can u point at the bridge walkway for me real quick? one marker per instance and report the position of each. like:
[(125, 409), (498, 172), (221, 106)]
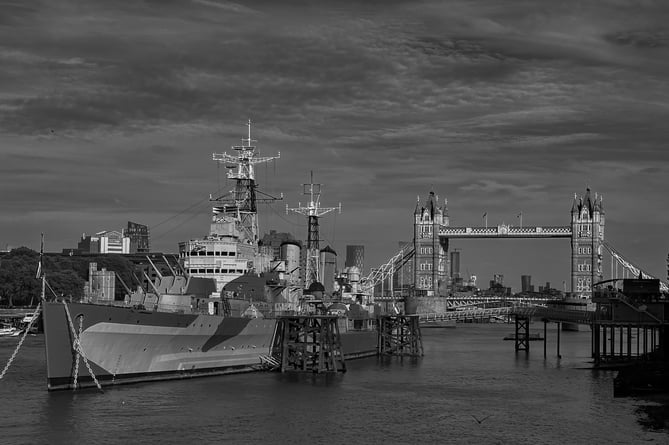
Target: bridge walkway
[(471, 313), (541, 312)]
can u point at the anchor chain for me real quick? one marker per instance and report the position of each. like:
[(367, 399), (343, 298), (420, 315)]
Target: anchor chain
[(78, 349), (77, 346), (23, 337)]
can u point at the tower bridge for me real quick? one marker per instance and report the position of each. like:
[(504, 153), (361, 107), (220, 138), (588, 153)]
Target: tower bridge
[(425, 262)]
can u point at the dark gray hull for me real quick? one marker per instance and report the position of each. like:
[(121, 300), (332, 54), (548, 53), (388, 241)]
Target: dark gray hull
[(125, 345)]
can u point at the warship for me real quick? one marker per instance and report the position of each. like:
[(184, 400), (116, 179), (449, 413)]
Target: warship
[(189, 324)]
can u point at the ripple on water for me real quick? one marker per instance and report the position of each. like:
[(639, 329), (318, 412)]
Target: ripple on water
[(469, 388)]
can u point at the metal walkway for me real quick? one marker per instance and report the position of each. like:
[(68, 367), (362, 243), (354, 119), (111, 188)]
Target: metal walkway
[(540, 312), (466, 314), (556, 315)]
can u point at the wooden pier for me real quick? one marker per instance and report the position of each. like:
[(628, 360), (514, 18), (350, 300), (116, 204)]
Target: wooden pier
[(400, 335), (628, 325), (308, 343), (618, 342), (632, 324)]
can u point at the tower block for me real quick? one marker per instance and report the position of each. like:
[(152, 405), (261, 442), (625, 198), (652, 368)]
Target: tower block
[(587, 229), (430, 258)]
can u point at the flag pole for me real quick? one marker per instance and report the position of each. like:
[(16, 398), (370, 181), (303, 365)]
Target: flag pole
[(40, 272)]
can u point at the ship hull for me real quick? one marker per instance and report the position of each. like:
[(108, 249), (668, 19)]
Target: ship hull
[(125, 345)]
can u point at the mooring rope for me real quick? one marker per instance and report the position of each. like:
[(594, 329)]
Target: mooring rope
[(76, 359), (76, 346), (23, 337)]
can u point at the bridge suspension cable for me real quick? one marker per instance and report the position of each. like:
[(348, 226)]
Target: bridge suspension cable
[(379, 274), (630, 267)]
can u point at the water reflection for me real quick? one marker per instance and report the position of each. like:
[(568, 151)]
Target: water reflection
[(328, 379), (654, 416), (59, 417), (467, 375)]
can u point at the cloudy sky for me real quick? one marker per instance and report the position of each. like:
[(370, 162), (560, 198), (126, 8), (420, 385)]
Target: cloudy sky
[(110, 111)]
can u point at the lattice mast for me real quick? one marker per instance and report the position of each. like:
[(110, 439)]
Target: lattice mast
[(313, 211), (241, 202)]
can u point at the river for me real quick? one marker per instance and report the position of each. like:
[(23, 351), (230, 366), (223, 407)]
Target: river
[(470, 387)]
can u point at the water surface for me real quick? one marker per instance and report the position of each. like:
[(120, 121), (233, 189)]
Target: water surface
[(471, 387)]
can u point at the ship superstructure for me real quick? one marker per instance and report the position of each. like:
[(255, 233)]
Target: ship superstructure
[(188, 327), (231, 247)]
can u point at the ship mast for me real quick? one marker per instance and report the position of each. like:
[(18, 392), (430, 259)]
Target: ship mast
[(240, 203), (313, 211)]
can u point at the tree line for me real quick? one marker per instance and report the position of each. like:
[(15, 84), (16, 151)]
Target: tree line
[(66, 275)]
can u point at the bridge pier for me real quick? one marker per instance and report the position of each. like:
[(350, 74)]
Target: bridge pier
[(595, 342), (559, 328), (557, 347), (545, 335)]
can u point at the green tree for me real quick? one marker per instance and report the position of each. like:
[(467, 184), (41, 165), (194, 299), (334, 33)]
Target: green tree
[(18, 282), (65, 274), (67, 284)]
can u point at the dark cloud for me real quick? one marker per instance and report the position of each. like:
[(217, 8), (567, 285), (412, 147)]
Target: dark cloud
[(641, 39), (111, 110)]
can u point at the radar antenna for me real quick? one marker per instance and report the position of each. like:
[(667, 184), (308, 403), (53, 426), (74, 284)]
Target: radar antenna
[(313, 211), (240, 203)]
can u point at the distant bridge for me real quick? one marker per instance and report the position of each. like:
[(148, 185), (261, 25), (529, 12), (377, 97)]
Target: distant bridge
[(474, 313), (455, 302), (533, 311), (428, 261)]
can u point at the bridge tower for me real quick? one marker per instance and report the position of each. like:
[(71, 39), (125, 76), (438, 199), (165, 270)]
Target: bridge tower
[(587, 237), (430, 258)]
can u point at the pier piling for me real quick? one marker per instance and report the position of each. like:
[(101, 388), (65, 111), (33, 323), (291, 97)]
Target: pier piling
[(400, 335), (522, 338), (545, 336), (308, 343), (559, 328)]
